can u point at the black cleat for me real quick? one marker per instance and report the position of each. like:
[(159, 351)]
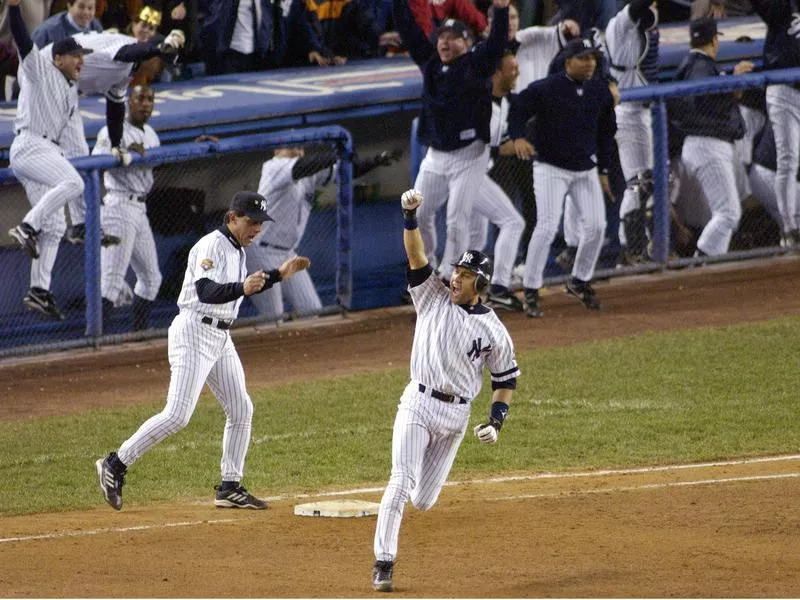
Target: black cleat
[(532, 308), (43, 301), (583, 292), (382, 576), (504, 300), (237, 497), (26, 236), (111, 481), (77, 235), (566, 258)]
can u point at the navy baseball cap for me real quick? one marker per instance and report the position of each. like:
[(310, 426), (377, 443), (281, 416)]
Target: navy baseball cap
[(702, 31), (580, 47), (69, 46), (251, 204), (454, 26)]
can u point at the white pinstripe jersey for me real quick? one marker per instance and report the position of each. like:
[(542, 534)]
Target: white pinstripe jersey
[(538, 47), (498, 126), (46, 99), (452, 345), (626, 47), (137, 180), (102, 74), (213, 257), (288, 201)]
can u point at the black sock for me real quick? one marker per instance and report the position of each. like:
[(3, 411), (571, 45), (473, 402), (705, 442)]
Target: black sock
[(228, 485), (116, 464), (531, 294)]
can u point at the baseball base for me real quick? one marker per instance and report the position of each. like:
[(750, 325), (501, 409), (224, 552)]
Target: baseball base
[(337, 508)]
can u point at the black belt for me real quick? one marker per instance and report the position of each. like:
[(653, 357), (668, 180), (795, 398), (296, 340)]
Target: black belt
[(218, 323), (450, 398), (41, 135), (268, 245), (137, 198)]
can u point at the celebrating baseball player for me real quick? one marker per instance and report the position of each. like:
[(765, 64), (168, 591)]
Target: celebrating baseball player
[(201, 351), (48, 100), (711, 123), (455, 337), (628, 37), (493, 205), (289, 182), (456, 133), (575, 164), (124, 214), (782, 51)]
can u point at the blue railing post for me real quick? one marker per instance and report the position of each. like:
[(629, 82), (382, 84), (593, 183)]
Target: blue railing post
[(91, 269), (661, 208), (344, 224)]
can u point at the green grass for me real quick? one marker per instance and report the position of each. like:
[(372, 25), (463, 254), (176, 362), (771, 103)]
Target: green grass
[(665, 398)]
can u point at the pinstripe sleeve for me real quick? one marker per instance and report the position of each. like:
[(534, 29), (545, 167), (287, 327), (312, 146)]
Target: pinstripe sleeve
[(502, 361)]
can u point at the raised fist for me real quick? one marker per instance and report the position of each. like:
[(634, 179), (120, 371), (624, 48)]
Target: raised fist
[(486, 433), (122, 155), (411, 199)]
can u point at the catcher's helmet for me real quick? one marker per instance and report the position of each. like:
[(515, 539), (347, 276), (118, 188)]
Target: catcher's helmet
[(480, 264)]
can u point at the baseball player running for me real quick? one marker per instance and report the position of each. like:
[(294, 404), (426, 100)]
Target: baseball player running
[(493, 205), (456, 133), (711, 123), (574, 141), (289, 182), (454, 338), (48, 100), (201, 351), (782, 51), (627, 44), (124, 214)]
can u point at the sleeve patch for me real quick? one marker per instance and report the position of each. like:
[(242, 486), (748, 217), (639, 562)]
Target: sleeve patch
[(206, 264)]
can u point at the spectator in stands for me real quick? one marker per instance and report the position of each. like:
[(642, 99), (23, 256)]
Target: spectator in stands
[(590, 14), (711, 123), (430, 14), (183, 15), (347, 30), (33, 13), (230, 44), (144, 29), (117, 14), (78, 18), (717, 9)]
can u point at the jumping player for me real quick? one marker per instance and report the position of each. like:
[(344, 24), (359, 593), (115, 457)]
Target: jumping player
[(201, 351), (455, 337), (456, 132)]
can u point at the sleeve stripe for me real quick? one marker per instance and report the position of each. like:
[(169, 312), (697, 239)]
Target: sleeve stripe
[(513, 371)]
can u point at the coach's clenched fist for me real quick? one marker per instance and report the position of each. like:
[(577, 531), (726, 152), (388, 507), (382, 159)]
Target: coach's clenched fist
[(411, 199)]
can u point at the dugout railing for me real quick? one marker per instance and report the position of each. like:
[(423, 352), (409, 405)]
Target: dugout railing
[(194, 182), (758, 231)]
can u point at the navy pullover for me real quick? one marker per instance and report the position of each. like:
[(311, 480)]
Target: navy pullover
[(575, 122), (457, 97), (707, 115), (781, 44)]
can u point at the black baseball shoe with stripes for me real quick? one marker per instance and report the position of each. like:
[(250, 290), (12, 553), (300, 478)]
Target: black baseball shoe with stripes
[(26, 236), (111, 480), (237, 497), (382, 576)]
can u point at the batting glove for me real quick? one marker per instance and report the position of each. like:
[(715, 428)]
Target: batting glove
[(487, 433), (387, 157), (122, 155), (411, 200), (174, 41)]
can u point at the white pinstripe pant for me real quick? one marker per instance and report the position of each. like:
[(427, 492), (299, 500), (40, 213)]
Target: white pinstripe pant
[(710, 160), (453, 178), (551, 184), (200, 354), (426, 437), (635, 143), (53, 228), (783, 107), (493, 206), (762, 182)]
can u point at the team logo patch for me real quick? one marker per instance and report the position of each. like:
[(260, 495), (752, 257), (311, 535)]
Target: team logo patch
[(206, 264)]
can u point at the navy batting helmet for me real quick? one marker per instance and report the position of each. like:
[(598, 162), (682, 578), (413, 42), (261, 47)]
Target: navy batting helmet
[(480, 264)]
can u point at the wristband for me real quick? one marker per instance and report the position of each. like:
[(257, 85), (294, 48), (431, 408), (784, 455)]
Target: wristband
[(498, 414), (410, 219)]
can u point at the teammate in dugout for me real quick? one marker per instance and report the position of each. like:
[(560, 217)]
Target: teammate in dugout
[(455, 337), (124, 214), (201, 351), (575, 164), (289, 181), (454, 122)]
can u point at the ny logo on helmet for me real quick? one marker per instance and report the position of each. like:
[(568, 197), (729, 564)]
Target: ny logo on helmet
[(262, 205), (467, 257)]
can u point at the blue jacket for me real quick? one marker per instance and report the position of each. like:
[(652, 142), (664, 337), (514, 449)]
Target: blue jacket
[(707, 115), (781, 45), (57, 28), (456, 98), (575, 122), (217, 31)]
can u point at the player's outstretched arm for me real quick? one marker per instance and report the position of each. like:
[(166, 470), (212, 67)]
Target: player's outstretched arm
[(412, 238), (293, 265)]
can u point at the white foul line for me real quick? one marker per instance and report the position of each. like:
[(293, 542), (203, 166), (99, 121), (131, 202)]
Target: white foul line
[(510, 478), (647, 486)]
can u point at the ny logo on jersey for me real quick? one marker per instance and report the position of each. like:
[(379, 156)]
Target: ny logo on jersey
[(477, 349), (794, 27)]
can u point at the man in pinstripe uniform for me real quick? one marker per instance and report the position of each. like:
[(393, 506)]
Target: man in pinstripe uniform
[(201, 351), (711, 123), (456, 132), (574, 141), (455, 337)]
